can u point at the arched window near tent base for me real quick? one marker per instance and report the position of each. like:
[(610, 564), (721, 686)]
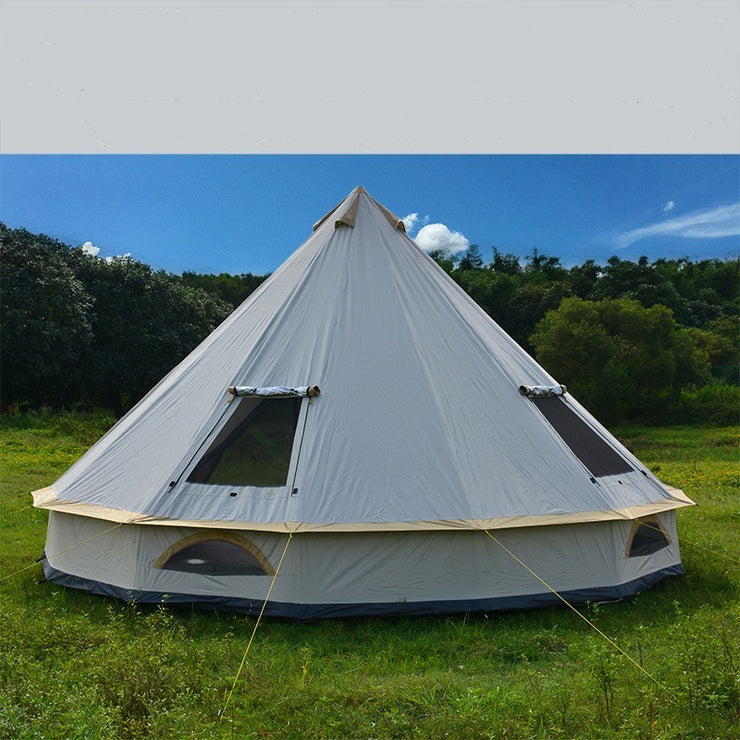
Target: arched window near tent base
[(646, 537), (222, 554)]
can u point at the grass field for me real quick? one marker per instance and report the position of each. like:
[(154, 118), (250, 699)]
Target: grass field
[(80, 666)]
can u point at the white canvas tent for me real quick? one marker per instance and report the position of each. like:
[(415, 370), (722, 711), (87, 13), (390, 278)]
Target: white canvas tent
[(360, 400)]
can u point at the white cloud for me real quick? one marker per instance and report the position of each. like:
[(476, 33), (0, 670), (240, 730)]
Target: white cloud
[(669, 206), (437, 236), (412, 221), (90, 248), (711, 223), (93, 251)]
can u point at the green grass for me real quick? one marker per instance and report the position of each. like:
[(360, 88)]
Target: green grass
[(79, 666)]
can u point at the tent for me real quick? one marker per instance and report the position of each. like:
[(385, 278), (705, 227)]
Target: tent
[(361, 401)]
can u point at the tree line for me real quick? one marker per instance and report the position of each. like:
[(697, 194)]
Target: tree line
[(81, 330), (635, 341), (638, 341)]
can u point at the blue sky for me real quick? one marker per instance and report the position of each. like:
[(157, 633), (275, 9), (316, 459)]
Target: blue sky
[(248, 213)]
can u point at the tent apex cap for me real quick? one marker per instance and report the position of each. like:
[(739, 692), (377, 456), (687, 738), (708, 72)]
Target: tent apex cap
[(345, 214)]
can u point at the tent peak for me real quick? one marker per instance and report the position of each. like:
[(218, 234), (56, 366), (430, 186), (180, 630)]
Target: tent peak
[(345, 214)]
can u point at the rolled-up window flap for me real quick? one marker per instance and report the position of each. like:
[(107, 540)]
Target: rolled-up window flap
[(542, 391), (276, 391)]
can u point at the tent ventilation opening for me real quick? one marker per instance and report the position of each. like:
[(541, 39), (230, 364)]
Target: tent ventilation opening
[(646, 537)]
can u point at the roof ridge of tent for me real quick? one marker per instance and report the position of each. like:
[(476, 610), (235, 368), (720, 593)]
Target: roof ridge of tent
[(345, 214)]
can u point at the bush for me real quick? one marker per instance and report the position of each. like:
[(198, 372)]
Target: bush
[(712, 404), (621, 360)]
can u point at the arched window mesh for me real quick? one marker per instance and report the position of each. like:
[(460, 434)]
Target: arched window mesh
[(215, 556), (647, 537)]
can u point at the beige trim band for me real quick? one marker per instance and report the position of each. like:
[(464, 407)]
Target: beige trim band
[(46, 498)]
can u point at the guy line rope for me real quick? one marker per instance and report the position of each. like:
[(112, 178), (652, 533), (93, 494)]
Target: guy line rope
[(695, 544), (61, 552), (572, 608), (256, 624), (222, 712)]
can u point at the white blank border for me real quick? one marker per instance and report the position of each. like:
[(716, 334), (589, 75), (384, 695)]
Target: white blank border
[(369, 76)]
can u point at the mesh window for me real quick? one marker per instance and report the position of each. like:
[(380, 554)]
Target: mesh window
[(253, 448), (586, 445), (646, 538), (215, 558)]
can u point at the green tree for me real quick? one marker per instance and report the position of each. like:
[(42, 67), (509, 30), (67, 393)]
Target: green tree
[(533, 299), (144, 323), (233, 289), (505, 263), (543, 267), (493, 292), (471, 259), (622, 360), (46, 320), (583, 278), (443, 259), (644, 283), (720, 339), (718, 280)]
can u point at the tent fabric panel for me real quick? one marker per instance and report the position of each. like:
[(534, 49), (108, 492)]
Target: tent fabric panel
[(373, 450), (370, 567), (121, 469), (302, 612), (410, 566), (478, 419), (82, 546), (425, 451)]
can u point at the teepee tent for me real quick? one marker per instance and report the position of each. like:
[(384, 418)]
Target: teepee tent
[(361, 401)]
